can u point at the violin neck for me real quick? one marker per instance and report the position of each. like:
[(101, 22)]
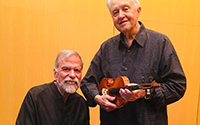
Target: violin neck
[(115, 91)]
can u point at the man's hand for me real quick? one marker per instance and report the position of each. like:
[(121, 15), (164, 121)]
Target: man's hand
[(131, 95), (105, 102)]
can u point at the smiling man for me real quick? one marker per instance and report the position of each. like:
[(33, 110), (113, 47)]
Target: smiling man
[(67, 72), (57, 103), (142, 55)]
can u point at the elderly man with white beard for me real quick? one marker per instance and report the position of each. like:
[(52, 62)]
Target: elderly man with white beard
[(57, 103)]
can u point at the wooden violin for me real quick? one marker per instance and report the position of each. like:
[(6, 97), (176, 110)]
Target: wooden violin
[(110, 86)]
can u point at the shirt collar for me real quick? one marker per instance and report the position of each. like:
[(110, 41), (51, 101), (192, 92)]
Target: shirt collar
[(141, 35), (140, 38)]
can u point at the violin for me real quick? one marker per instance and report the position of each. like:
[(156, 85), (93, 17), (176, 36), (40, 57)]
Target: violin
[(111, 86)]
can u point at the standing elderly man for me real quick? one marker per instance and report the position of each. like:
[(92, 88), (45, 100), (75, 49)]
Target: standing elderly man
[(57, 103), (142, 55)]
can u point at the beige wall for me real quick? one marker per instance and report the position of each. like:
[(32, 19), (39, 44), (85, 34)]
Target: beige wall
[(32, 32)]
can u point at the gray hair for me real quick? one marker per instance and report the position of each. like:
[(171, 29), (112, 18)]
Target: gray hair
[(136, 3), (67, 53)]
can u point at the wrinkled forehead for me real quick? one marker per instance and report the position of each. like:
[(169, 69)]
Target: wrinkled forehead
[(119, 4), (72, 60)]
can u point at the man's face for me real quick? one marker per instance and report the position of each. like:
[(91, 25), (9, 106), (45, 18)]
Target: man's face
[(125, 15), (69, 73)]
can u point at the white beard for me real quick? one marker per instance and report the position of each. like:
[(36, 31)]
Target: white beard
[(68, 88)]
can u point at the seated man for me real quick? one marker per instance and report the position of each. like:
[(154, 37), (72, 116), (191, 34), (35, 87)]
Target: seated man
[(57, 103)]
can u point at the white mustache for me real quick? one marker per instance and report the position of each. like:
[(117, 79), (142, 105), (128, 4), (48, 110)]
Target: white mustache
[(72, 81)]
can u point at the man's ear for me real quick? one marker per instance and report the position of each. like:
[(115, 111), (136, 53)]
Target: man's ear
[(139, 10), (55, 74)]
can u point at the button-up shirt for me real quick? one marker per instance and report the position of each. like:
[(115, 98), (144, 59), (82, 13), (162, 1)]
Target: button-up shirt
[(44, 105), (150, 57)]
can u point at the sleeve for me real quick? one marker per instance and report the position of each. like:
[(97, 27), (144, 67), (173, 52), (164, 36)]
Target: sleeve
[(27, 115), (172, 77), (89, 84)]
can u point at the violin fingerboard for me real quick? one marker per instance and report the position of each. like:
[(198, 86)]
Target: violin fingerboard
[(115, 91)]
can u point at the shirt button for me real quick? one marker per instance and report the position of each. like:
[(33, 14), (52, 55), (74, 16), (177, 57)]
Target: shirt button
[(128, 51), (125, 68)]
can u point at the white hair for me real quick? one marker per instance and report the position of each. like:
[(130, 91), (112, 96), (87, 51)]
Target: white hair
[(67, 53), (136, 3)]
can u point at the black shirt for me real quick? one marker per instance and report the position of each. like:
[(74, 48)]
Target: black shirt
[(44, 105), (151, 55)]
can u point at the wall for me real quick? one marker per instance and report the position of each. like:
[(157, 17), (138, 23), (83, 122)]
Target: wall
[(32, 32)]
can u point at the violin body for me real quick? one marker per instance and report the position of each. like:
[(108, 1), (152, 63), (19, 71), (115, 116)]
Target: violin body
[(107, 83), (111, 86)]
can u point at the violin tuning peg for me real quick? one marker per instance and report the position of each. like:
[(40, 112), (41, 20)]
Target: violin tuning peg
[(143, 79), (151, 78)]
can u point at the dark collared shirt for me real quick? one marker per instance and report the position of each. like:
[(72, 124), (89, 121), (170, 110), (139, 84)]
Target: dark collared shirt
[(151, 55), (44, 105)]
